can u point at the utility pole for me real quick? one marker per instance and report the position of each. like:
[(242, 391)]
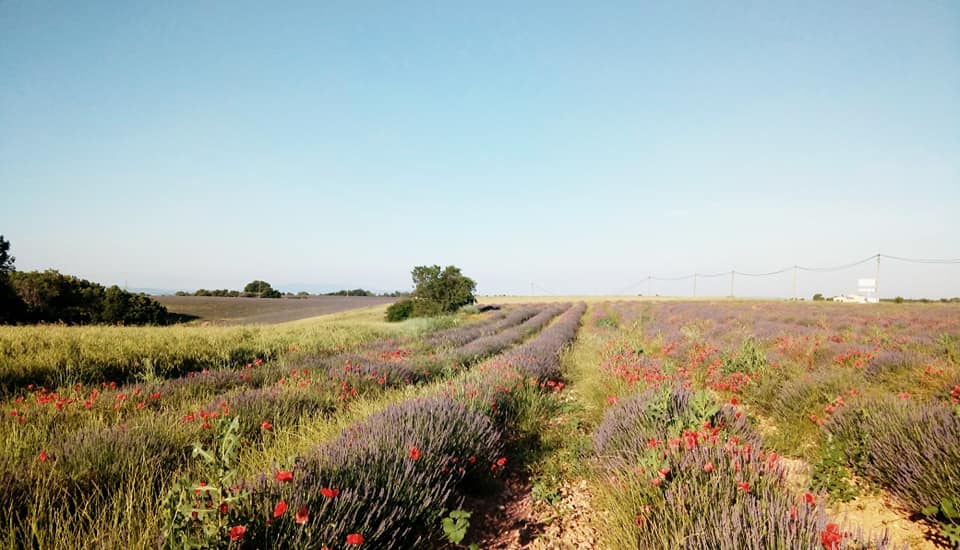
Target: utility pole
[(694, 285), (876, 282), (794, 283)]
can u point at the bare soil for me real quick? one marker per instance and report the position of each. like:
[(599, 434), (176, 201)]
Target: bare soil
[(218, 310), (513, 519)]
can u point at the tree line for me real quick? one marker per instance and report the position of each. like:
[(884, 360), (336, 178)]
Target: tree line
[(52, 297)]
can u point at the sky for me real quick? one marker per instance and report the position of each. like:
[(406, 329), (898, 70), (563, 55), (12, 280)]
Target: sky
[(553, 147)]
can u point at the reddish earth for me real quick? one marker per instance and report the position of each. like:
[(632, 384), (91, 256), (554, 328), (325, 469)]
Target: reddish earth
[(514, 519)]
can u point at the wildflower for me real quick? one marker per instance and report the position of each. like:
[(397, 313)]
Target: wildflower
[(830, 539), (744, 486), (237, 532), (611, 399), (43, 456), (284, 476), (708, 467), (501, 461), (414, 453), (266, 425), (280, 509), (904, 396), (224, 509), (329, 493), (302, 516), (354, 538), (809, 498)]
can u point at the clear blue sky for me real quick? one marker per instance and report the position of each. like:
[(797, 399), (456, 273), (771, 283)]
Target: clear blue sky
[(574, 145)]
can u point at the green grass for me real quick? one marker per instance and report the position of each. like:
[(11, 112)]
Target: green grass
[(55, 355)]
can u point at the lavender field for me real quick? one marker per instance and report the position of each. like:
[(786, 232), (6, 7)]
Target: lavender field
[(622, 424)]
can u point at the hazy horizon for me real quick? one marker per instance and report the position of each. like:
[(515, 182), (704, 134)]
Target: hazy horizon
[(579, 148)]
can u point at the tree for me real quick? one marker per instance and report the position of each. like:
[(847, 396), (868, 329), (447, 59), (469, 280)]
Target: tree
[(440, 291), (11, 307), (261, 289), (6, 260)]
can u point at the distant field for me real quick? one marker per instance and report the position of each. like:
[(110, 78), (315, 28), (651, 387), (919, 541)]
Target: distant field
[(244, 311)]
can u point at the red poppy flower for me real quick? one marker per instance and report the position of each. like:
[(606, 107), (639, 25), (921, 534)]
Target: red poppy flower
[(224, 509), (280, 509), (302, 515), (809, 498), (43, 456), (266, 425), (237, 532), (830, 539), (329, 493), (744, 486), (708, 467), (354, 538), (284, 476), (501, 461), (414, 453)]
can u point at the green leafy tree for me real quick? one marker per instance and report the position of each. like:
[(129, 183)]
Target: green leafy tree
[(6, 260), (261, 289), (11, 307), (440, 291), (49, 296)]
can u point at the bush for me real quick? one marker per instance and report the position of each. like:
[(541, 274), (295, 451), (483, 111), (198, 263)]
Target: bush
[(661, 414), (400, 311), (394, 474), (686, 473), (911, 449)]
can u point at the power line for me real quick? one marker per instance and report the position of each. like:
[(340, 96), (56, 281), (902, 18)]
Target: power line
[(922, 260), (795, 268)]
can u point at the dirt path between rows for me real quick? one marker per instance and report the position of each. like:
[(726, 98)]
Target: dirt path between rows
[(513, 519)]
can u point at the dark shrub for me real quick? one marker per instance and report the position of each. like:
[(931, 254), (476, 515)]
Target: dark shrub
[(400, 311)]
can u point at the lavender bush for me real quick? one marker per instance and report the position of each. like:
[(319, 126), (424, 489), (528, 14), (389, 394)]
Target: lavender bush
[(661, 414), (495, 343), (540, 357), (502, 320), (716, 497), (389, 476), (910, 448)]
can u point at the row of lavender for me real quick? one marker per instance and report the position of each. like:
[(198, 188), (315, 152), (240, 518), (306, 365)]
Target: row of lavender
[(695, 475), (85, 442), (386, 480), (871, 392)]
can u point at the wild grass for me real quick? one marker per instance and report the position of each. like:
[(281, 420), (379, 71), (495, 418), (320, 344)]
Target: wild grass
[(55, 356)]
